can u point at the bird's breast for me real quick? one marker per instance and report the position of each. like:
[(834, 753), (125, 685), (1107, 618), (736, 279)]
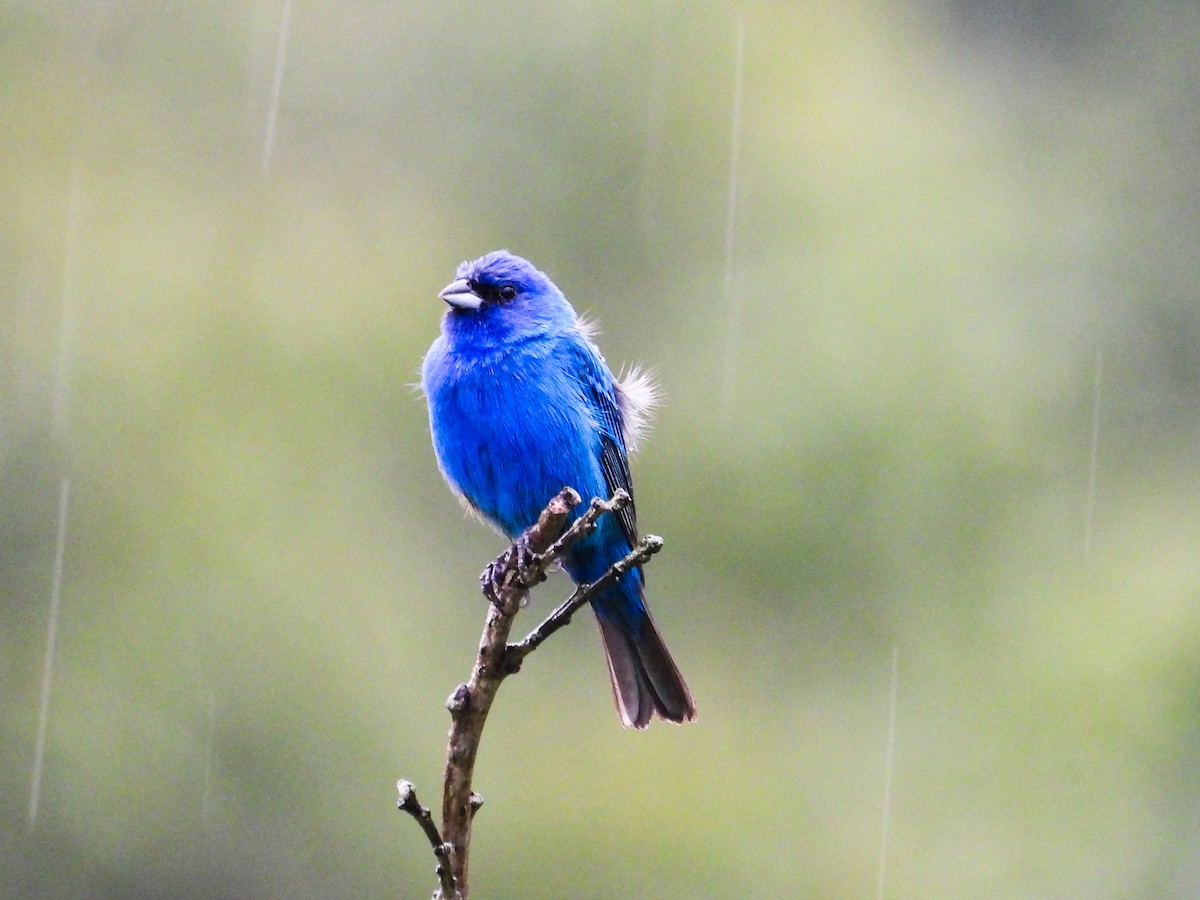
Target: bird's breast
[(510, 430)]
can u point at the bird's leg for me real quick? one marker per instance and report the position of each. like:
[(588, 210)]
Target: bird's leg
[(521, 560), (492, 579), (526, 565)]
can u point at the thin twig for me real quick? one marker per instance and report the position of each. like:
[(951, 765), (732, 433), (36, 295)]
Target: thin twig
[(584, 594), (408, 802), (508, 578), (585, 524), (471, 702), (506, 581)]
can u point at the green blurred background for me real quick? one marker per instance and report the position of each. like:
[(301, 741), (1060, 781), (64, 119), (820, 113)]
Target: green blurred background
[(947, 413)]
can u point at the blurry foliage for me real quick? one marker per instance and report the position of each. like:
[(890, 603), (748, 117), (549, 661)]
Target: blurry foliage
[(946, 212)]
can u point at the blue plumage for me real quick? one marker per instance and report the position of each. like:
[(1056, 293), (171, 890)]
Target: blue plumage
[(521, 404)]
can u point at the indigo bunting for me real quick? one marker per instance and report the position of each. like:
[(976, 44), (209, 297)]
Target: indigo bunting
[(521, 404)]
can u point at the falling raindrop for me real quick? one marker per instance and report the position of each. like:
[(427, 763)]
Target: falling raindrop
[(61, 432), (655, 138), (732, 302), (205, 802), (39, 753), (887, 772), (1094, 460), (285, 26)]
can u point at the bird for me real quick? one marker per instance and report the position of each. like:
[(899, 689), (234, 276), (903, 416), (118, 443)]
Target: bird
[(521, 404)]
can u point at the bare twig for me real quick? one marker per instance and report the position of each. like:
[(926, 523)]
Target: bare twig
[(506, 581), (586, 523), (584, 594), (472, 701), (408, 802), (522, 566)]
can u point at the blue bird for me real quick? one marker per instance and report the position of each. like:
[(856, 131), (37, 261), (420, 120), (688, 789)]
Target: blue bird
[(521, 404)]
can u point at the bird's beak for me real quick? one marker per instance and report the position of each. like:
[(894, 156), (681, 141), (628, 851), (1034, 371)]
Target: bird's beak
[(458, 294)]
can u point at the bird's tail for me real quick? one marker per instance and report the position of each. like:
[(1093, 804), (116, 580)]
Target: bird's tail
[(645, 679)]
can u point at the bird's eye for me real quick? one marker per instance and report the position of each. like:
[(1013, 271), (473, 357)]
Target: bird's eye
[(507, 292)]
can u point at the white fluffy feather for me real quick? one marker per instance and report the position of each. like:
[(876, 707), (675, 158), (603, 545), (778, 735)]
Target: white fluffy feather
[(638, 395), (638, 391)]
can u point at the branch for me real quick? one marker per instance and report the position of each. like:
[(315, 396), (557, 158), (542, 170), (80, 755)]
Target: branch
[(471, 702), (408, 802), (584, 594), (586, 523), (506, 582), (522, 567)]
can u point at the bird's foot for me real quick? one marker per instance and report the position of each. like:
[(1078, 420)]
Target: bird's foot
[(492, 579), (518, 566)]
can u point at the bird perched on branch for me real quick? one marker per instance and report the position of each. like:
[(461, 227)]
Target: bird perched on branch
[(521, 404)]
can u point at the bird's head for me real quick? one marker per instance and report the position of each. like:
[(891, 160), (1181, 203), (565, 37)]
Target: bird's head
[(501, 297)]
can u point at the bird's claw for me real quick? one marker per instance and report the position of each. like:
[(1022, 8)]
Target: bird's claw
[(492, 579), (516, 566)]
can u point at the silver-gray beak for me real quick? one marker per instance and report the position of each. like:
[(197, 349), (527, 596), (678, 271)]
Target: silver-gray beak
[(458, 294)]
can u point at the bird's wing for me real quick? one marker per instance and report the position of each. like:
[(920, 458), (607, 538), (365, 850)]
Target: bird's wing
[(601, 396)]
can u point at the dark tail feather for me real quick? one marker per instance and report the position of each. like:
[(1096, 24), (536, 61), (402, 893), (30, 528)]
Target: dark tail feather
[(645, 679)]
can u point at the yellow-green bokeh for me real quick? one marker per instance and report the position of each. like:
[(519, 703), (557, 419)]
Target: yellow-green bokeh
[(964, 246)]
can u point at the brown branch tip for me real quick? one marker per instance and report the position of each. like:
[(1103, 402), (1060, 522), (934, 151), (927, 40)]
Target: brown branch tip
[(505, 583), (407, 801)]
